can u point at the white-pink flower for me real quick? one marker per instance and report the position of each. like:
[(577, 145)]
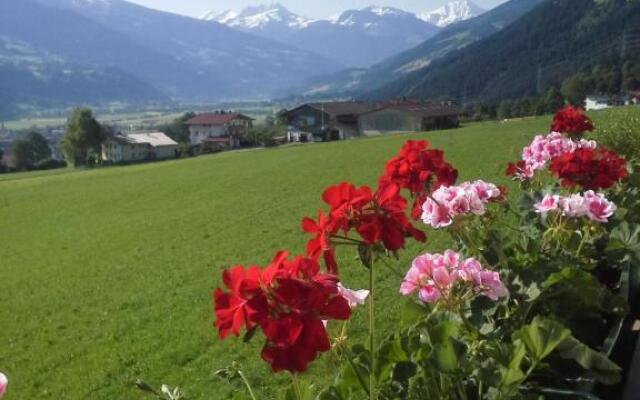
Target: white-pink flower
[(548, 203), (355, 298), (3, 384), (597, 207), (594, 206)]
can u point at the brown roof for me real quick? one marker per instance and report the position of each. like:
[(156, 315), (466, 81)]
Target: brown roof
[(216, 118), (340, 107), (422, 109)]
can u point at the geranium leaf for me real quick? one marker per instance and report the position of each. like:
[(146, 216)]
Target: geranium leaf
[(599, 366), (541, 337)]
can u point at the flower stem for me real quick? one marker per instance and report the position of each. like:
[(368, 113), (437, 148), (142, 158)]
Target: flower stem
[(296, 386), (246, 383), (372, 331)]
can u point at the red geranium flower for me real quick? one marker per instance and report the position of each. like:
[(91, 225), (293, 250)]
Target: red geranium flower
[(572, 121), (418, 168), (323, 228), (591, 169), (287, 300), (388, 222)]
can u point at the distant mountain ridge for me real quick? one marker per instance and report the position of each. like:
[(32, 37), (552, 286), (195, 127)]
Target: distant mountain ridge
[(116, 51), (455, 11), (355, 37), (455, 37)]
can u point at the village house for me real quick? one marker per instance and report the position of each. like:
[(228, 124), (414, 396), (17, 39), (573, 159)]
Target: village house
[(600, 102), (409, 116), (218, 130), (324, 121), (138, 147)]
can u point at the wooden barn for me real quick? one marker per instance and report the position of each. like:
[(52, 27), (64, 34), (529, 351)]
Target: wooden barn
[(409, 117), (325, 121)]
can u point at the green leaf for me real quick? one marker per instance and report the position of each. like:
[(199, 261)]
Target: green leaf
[(541, 337), (447, 354), (413, 312), (512, 375), (599, 366), (625, 241), (390, 353)]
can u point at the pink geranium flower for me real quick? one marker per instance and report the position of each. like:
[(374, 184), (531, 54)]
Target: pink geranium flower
[(548, 203), (448, 202), (597, 207), (435, 276), (3, 384), (594, 206)]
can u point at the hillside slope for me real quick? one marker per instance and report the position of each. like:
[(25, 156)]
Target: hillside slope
[(557, 39)]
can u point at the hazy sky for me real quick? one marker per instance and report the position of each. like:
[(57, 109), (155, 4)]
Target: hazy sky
[(309, 8)]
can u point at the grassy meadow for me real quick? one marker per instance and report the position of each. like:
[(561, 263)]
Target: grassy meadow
[(106, 275)]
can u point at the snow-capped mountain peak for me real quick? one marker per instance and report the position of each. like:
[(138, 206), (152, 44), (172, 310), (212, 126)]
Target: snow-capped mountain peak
[(454, 11), (259, 17), (369, 16)]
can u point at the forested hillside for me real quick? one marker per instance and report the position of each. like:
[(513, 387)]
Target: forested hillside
[(595, 43)]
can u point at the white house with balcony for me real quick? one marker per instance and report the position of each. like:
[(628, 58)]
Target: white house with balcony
[(219, 129)]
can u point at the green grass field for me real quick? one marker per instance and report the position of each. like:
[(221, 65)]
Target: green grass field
[(106, 275)]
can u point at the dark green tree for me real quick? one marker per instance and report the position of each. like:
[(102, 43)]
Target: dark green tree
[(22, 154), (39, 146), (574, 89), (82, 134), (29, 150), (178, 129), (553, 100)]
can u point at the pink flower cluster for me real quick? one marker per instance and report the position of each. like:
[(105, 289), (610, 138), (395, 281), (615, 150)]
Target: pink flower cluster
[(543, 148), (434, 276), (447, 202), (594, 206)]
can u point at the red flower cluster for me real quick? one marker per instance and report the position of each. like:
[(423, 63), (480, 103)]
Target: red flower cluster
[(288, 300), (591, 169), (420, 170), (377, 217), (572, 121)]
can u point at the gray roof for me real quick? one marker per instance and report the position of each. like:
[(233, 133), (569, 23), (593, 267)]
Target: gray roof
[(422, 109), (341, 107)]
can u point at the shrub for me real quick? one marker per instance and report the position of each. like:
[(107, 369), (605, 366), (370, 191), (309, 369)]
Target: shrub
[(49, 163), (620, 131)]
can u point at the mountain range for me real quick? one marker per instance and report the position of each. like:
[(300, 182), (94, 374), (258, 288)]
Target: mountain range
[(80, 51), (354, 82), (357, 38), (58, 53)]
